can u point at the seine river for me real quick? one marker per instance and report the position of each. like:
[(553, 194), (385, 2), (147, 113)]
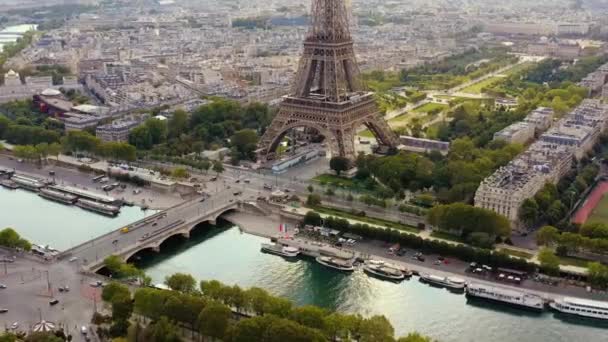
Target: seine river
[(226, 254)]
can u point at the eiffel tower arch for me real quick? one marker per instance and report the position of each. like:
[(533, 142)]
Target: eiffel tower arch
[(327, 94)]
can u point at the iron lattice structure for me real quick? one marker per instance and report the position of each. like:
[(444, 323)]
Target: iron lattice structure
[(327, 94)]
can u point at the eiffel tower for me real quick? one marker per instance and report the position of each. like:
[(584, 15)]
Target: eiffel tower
[(327, 95)]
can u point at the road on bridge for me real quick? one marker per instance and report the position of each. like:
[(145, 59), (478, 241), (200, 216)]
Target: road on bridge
[(146, 232)]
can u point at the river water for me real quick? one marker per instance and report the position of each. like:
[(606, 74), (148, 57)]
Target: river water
[(228, 255)]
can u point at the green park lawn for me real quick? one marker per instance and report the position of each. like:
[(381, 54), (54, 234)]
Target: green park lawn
[(477, 87), (600, 212), (335, 180), (516, 253), (365, 219), (429, 107)]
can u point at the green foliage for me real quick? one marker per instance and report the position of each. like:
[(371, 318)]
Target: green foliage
[(214, 320), (598, 274), (547, 236), (11, 239), (276, 319), (339, 164), (464, 219), (594, 230), (244, 143), (312, 218), (181, 282), (549, 262), (180, 173), (121, 269), (114, 289), (218, 167), (313, 200)]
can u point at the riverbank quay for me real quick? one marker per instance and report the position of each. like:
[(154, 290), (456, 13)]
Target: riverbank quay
[(70, 176), (267, 226)]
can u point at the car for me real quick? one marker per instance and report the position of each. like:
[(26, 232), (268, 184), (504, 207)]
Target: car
[(3, 310), (72, 259), (247, 181), (96, 284), (54, 302), (154, 224), (401, 252), (84, 330), (7, 260), (238, 193), (2, 286), (437, 262), (213, 179), (237, 181), (202, 200), (15, 325)]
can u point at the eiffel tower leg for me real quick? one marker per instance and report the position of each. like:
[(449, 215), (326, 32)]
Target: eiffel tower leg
[(345, 140), (382, 131), (268, 142)]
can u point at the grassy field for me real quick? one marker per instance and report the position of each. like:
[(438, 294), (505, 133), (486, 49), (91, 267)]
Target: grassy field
[(429, 107), (600, 212), (477, 87), (446, 236), (365, 219), (338, 181), (570, 261), (518, 254)]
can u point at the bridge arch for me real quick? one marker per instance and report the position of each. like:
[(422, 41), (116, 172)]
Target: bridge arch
[(128, 258)]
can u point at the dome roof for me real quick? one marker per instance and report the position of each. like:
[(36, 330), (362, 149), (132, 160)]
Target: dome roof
[(50, 92)]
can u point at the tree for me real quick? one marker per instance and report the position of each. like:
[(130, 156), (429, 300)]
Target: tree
[(594, 230), (162, 330), (141, 137), (158, 130), (181, 282), (547, 236), (598, 274), (178, 124), (310, 189), (11, 239), (528, 212), (245, 143), (122, 308), (414, 337), (81, 141), (376, 329), (549, 262), (180, 173), (43, 337), (310, 316), (313, 200), (339, 164), (54, 150), (214, 320), (218, 167), (312, 218), (114, 289)]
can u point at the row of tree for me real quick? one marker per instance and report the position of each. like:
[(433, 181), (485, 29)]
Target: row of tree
[(479, 226), (229, 313), (570, 243)]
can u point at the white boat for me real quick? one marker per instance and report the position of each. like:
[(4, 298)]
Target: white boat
[(507, 296), (284, 251), (451, 283), (581, 307), (384, 271), (336, 263)]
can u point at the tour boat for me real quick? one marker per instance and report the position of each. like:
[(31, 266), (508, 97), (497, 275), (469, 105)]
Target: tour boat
[(284, 251), (581, 307), (336, 263), (103, 208), (451, 283), (384, 271), (57, 196), (507, 296)]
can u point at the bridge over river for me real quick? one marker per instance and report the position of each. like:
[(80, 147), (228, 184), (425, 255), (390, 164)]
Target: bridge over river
[(152, 231)]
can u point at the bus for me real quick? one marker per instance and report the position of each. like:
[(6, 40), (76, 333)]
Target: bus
[(98, 178)]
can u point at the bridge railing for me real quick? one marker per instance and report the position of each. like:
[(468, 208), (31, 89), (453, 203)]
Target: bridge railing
[(142, 244), (69, 251)]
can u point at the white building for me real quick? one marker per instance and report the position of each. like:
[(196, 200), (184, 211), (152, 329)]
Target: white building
[(517, 133)]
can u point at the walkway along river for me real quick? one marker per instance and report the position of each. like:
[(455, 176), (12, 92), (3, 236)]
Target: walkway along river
[(226, 254)]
